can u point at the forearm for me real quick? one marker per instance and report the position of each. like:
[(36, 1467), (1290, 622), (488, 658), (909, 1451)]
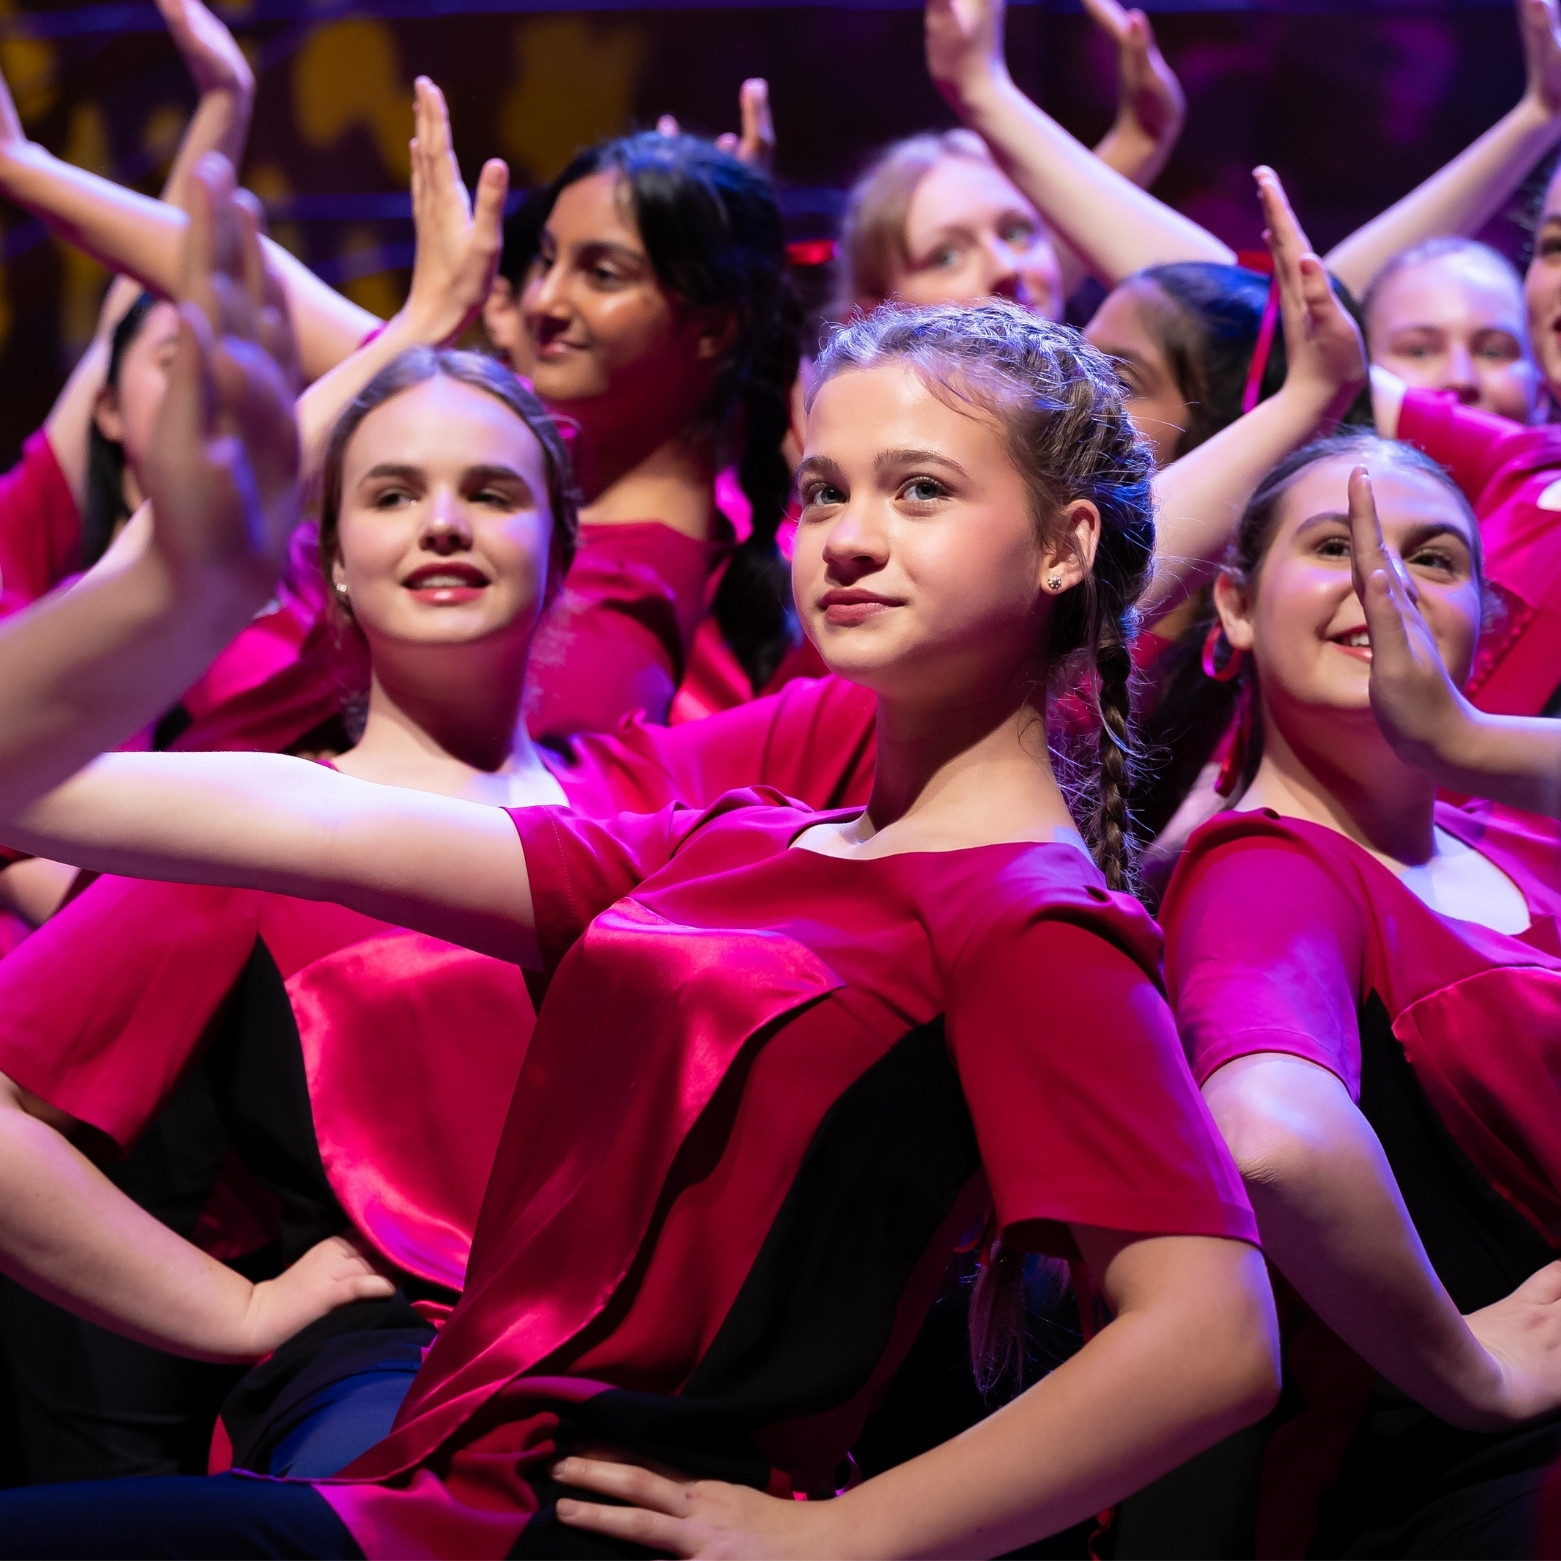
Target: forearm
[(322, 404), (220, 123), (1151, 1389), (450, 868), (1513, 760), (1201, 496), (144, 238), (86, 668), (1459, 198), (1334, 1223), (1116, 227), (1134, 154), (68, 1233)]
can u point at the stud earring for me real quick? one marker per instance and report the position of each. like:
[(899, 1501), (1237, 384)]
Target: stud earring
[(1054, 582)]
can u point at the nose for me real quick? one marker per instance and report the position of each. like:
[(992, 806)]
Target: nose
[(446, 529), (855, 545), (544, 300), (1460, 374), (1003, 277)]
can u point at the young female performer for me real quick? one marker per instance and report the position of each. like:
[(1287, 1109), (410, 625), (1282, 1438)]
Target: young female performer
[(716, 1257), (1369, 985), (933, 219), (1449, 315)]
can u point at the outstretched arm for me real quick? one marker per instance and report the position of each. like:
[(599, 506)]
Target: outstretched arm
[(457, 257), (1473, 187), (82, 670), (1201, 496), (450, 868), (1116, 227), (1511, 759), (1334, 1223), (144, 238)]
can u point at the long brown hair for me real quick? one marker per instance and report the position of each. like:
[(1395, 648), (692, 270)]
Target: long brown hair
[(1061, 408), (414, 367)]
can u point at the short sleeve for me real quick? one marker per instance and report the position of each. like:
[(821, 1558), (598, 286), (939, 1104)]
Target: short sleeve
[(1265, 951), (1476, 447), (1084, 1110), (102, 1008), (40, 526), (579, 866)]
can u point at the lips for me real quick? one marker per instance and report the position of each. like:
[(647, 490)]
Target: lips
[(446, 583), (845, 608), (1353, 642)]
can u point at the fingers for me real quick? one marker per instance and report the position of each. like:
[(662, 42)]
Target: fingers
[(488, 212), (1109, 16), (757, 146), (630, 1482), (667, 126), (1284, 233), (207, 195), (1377, 581)]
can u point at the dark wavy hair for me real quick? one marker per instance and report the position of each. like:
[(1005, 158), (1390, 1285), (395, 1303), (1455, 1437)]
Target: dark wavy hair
[(104, 509), (714, 235), (1207, 318)]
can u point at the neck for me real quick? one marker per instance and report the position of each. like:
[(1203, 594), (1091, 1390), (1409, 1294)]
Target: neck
[(1380, 803), (966, 769), (441, 718), (643, 469)]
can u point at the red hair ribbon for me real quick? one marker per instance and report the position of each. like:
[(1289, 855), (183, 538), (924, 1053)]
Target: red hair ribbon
[(812, 251), (1261, 261)]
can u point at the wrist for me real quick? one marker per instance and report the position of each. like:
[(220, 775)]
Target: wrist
[(1533, 116), (979, 94)]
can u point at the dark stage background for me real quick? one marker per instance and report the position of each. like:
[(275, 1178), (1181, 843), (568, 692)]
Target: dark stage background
[(1353, 102)]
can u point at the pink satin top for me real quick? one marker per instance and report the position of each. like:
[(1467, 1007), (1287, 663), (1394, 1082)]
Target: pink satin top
[(768, 1093)]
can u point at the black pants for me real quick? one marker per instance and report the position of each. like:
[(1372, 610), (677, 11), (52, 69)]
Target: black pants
[(218, 1515)]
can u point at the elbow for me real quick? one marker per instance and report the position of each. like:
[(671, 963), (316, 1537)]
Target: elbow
[(1247, 1371)]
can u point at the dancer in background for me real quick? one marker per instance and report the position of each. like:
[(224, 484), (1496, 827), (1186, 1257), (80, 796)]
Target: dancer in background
[(906, 568), (85, 669), (1368, 984), (934, 219)]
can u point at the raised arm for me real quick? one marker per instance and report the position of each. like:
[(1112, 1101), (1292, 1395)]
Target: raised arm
[(1202, 495), (1151, 106), (1116, 227), (450, 868), (143, 238), (82, 670), (458, 249), (1511, 759), (220, 123), (1334, 1223), (1475, 185)]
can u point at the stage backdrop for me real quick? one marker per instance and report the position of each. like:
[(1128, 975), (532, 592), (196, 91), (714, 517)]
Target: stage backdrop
[(1353, 102)]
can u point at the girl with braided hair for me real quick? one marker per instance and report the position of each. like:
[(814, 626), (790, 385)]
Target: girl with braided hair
[(717, 1259)]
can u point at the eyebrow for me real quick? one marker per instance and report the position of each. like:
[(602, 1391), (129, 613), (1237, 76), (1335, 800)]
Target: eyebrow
[(484, 472), (1414, 537), (887, 459)]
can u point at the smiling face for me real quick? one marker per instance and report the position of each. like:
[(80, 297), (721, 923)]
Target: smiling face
[(603, 336), (970, 234), (1123, 329), (1305, 627), (1457, 322), (444, 529), (917, 568)]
